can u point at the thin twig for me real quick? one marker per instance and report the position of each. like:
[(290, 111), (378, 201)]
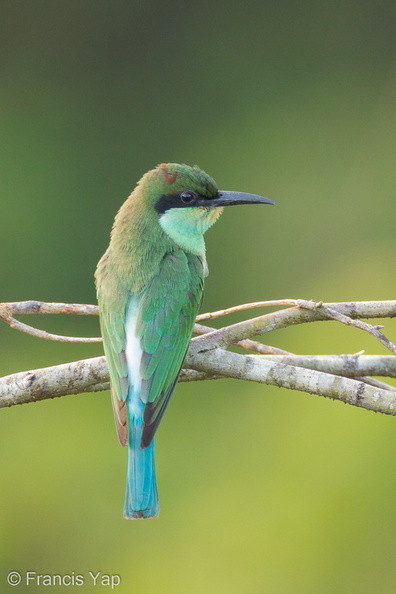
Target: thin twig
[(376, 383), (237, 333), (305, 312), (344, 319), (235, 308), (45, 307), (250, 345), (48, 335), (9, 310), (355, 366)]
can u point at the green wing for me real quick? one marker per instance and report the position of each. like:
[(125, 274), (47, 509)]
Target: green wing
[(112, 307), (167, 314)]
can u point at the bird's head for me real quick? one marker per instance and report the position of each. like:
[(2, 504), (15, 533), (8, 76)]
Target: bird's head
[(188, 202)]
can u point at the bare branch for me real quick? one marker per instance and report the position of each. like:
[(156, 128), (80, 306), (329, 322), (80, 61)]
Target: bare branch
[(347, 365), (327, 375), (9, 310), (88, 375), (250, 345), (376, 383), (91, 375), (48, 335), (235, 308), (259, 369), (44, 307), (305, 312), (344, 319)]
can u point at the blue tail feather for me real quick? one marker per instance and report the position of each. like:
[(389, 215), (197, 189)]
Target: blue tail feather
[(141, 499)]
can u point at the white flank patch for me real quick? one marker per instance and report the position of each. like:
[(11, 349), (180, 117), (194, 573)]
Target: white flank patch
[(133, 353)]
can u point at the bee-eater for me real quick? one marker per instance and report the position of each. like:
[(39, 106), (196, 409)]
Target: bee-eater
[(149, 285)]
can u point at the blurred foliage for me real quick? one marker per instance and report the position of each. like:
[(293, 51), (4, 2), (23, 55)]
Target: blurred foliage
[(261, 490)]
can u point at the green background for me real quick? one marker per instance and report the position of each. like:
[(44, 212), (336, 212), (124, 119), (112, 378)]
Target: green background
[(262, 490)]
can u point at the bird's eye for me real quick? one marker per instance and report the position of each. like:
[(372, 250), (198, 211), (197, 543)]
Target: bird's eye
[(187, 197)]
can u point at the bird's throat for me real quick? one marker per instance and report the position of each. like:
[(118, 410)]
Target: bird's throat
[(186, 226)]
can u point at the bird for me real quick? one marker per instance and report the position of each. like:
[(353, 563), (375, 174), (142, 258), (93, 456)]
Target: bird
[(149, 286)]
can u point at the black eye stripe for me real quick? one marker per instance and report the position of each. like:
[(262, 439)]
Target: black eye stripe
[(180, 200), (184, 199)]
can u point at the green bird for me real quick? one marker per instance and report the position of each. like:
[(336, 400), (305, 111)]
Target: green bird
[(149, 285)]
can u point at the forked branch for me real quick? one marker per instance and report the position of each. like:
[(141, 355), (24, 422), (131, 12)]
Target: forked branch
[(342, 377)]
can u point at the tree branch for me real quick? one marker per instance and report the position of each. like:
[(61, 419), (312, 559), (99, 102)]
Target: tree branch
[(91, 375), (342, 377), (306, 311), (9, 310)]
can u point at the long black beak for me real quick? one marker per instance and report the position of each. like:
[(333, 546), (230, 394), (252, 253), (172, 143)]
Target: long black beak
[(230, 198)]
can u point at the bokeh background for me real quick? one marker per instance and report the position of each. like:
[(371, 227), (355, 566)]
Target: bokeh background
[(261, 489)]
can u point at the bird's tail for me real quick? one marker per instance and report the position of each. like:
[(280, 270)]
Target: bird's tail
[(141, 499)]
